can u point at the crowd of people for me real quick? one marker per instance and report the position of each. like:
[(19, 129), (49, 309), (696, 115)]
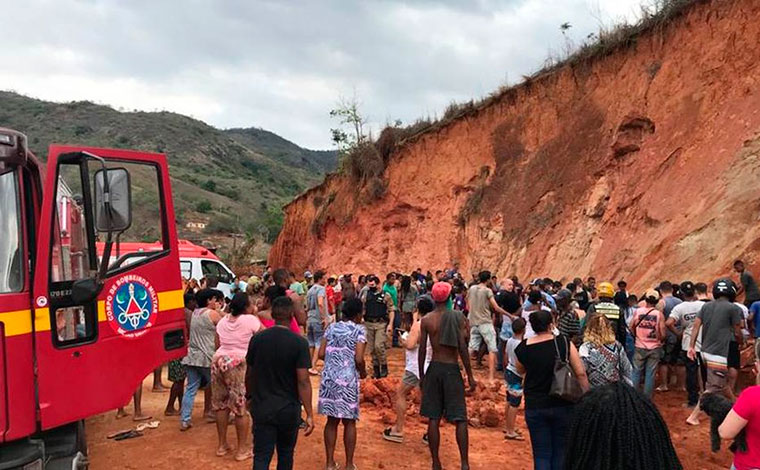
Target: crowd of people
[(584, 359)]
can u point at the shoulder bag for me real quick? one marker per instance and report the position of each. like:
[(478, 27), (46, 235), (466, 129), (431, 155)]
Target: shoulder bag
[(564, 383)]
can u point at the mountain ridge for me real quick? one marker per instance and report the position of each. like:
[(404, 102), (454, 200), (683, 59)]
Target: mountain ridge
[(236, 179)]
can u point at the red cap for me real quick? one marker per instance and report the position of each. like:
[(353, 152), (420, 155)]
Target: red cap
[(441, 291)]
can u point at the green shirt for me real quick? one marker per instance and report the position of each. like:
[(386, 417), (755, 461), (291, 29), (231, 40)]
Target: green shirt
[(391, 290), (297, 287)]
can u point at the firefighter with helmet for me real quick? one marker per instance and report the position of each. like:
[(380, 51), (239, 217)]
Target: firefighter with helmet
[(607, 307)]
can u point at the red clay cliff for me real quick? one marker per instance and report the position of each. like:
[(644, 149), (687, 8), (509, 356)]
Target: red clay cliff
[(640, 164)]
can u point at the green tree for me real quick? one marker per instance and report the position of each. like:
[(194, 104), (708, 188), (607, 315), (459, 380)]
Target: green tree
[(203, 207), (350, 133), (209, 185)]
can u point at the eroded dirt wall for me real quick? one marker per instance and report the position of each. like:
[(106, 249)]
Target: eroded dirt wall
[(642, 164)]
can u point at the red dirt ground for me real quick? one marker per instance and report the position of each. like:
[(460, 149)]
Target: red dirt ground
[(168, 448)]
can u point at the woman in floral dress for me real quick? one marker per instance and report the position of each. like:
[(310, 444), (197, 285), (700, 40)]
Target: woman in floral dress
[(342, 349)]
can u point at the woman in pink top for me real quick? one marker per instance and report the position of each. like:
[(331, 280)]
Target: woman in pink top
[(233, 333), (745, 415), (265, 315), (648, 328)]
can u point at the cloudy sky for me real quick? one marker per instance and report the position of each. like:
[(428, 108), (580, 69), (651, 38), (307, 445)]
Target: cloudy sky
[(282, 65)]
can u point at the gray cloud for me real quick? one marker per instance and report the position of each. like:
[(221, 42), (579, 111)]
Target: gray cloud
[(282, 65)]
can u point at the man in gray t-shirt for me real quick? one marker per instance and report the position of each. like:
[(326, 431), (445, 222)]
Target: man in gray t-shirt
[(721, 321), (316, 316), (481, 301)]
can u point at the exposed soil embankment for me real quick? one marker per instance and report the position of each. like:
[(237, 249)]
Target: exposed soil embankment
[(642, 164)]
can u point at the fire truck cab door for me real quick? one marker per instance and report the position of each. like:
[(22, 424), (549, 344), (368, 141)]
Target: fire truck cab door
[(101, 329)]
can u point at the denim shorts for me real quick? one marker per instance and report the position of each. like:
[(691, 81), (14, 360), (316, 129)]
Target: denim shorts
[(314, 333)]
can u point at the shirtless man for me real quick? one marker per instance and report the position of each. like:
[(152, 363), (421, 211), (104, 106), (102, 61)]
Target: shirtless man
[(442, 384), (281, 278)]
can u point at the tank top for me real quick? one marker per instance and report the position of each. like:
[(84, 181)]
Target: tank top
[(413, 362), (201, 347), (293, 325)]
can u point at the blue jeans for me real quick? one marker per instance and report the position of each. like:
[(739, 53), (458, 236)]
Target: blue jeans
[(629, 346), (197, 377), (548, 431), (647, 359)]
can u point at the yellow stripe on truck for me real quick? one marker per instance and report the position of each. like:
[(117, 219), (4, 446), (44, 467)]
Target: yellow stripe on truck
[(19, 322)]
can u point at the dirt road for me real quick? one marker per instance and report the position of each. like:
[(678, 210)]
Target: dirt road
[(168, 448)]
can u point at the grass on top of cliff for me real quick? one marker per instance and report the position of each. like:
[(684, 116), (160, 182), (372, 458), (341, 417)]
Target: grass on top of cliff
[(360, 162)]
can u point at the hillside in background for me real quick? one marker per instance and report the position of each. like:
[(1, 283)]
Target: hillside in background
[(638, 159), (236, 181)]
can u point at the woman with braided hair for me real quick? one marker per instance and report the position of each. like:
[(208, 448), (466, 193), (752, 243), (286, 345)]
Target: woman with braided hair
[(615, 427)]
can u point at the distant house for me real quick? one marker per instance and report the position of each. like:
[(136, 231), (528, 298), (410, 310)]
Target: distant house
[(196, 225)]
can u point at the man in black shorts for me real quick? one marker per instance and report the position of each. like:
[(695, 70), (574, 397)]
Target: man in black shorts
[(442, 384)]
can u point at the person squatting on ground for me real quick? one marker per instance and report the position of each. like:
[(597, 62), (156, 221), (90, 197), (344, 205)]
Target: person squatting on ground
[(411, 378), (378, 321), (200, 351), (514, 380), (719, 321), (233, 334), (648, 329), (442, 384), (547, 416), (616, 427), (481, 302), (278, 385), (342, 350)]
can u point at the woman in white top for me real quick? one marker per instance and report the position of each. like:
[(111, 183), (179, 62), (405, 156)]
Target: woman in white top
[(411, 377)]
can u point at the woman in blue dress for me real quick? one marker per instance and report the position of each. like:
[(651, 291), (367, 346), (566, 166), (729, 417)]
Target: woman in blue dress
[(342, 349)]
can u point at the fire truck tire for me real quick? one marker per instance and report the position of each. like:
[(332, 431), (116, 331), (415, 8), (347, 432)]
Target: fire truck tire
[(81, 438)]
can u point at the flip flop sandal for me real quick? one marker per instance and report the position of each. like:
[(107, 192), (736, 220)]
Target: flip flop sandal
[(142, 418), (333, 467), (390, 436), (222, 453), (514, 437), (128, 435), (117, 433), (151, 425), (244, 457)]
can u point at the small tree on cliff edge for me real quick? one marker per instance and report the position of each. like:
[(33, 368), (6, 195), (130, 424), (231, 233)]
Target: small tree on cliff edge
[(350, 133)]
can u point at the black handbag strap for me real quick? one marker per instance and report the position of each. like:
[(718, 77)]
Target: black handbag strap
[(641, 319), (567, 350)]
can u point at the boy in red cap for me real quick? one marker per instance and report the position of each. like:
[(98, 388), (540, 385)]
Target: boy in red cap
[(442, 384)]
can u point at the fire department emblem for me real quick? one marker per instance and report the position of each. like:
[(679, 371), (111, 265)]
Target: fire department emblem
[(131, 306)]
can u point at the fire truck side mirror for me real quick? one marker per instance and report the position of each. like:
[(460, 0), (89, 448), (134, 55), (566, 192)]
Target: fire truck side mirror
[(85, 291), (113, 202)]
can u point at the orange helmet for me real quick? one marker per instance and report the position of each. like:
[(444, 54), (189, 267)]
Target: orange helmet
[(605, 289)]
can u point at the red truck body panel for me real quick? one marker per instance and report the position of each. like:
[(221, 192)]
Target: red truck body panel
[(77, 381)]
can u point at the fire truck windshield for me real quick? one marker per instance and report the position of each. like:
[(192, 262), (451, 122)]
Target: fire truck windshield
[(11, 259)]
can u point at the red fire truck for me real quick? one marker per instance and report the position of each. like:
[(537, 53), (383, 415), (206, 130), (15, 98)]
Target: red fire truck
[(78, 331)]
